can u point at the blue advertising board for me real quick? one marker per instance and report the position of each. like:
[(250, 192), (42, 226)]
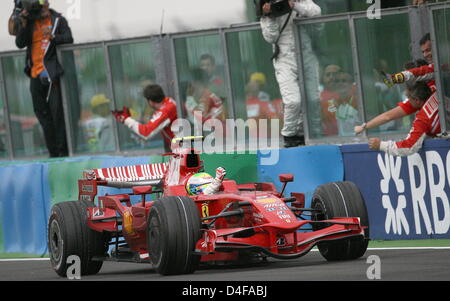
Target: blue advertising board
[(311, 166), (407, 197)]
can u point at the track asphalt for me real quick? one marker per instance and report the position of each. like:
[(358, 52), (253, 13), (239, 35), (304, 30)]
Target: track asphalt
[(405, 264)]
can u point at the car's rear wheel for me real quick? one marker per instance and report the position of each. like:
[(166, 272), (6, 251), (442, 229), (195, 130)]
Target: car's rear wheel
[(341, 199), (68, 234), (173, 231)]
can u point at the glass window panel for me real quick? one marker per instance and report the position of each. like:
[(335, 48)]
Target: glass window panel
[(90, 104), (256, 93), (342, 6), (27, 135), (334, 6), (3, 131), (331, 93), (383, 45), (133, 68), (207, 92), (442, 25)]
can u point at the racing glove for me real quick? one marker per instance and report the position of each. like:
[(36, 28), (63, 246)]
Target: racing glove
[(220, 173), (392, 79), (216, 183), (121, 116)]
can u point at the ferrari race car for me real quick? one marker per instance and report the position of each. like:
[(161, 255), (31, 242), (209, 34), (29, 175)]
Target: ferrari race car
[(176, 232)]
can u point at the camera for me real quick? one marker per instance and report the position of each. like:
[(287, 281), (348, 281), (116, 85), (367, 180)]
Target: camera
[(14, 21), (18, 7), (33, 7), (277, 7)]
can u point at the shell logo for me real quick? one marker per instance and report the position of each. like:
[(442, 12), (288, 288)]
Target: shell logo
[(267, 201), (128, 222)]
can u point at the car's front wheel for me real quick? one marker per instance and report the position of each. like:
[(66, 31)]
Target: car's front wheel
[(68, 234), (341, 199), (173, 231)]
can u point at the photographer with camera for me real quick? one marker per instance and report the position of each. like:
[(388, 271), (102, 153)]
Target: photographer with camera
[(277, 28), (41, 30), (15, 22)]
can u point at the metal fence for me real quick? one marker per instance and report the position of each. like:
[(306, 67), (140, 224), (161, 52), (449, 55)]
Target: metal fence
[(350, 46)]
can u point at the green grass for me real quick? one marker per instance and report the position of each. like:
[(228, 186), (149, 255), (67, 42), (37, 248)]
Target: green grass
[(409, 243), (372, 244), (20, 256)]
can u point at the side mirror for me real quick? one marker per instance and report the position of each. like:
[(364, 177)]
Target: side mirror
[(141, 190), (286, 178)]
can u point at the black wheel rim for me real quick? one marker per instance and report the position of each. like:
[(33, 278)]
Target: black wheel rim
[(318, 215), (56, 243), (155, 239)]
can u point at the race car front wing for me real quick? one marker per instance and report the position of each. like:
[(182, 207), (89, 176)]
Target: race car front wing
[(278, 240)]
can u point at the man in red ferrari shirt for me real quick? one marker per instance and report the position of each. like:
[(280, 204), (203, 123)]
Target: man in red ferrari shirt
[(426, 124), (402, 109), (421, 73), (163, 117), (329, 100)]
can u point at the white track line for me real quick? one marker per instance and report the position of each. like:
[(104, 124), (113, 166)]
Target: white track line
[(24, 259), (411, 248), (313, 250), (400, 248)]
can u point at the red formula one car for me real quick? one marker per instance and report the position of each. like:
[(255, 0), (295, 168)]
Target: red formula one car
[(176, 232)]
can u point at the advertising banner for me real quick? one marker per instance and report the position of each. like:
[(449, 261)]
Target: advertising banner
[(23, 201), (311, 167), (407, 197)]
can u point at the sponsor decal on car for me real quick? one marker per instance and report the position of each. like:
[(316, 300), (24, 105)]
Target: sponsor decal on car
[(266, 200), (257, 215), (281, 241), (273, 205), (284, 216), (87, 188), (87, 198), (96, 212), (205, 210)]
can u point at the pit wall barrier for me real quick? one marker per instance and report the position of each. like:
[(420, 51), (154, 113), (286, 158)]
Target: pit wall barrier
[(28, 190), (407, 198)]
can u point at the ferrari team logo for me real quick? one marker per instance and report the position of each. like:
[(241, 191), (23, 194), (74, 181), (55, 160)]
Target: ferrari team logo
[(205, 210)]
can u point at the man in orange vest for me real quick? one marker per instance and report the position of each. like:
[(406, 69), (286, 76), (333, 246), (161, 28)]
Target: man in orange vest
[(42, 30)]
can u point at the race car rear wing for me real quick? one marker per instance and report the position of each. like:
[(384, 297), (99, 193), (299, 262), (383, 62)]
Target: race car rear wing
[(120, 177)]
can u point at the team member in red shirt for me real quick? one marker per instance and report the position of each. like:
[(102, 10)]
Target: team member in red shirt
[(201, 102), (165, 114), (425, 72), (426, 124), (402, 109), (329, 100)]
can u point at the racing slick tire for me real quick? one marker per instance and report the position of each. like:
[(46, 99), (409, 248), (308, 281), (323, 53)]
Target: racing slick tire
[(68, 234), (173, 229), (341, 199)]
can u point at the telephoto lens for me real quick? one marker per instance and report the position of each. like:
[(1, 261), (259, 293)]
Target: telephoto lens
[(15, 18), (33, 7), (279, 8)]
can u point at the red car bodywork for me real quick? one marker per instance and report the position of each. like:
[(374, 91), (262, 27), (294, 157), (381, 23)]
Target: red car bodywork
[(240, 216)]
